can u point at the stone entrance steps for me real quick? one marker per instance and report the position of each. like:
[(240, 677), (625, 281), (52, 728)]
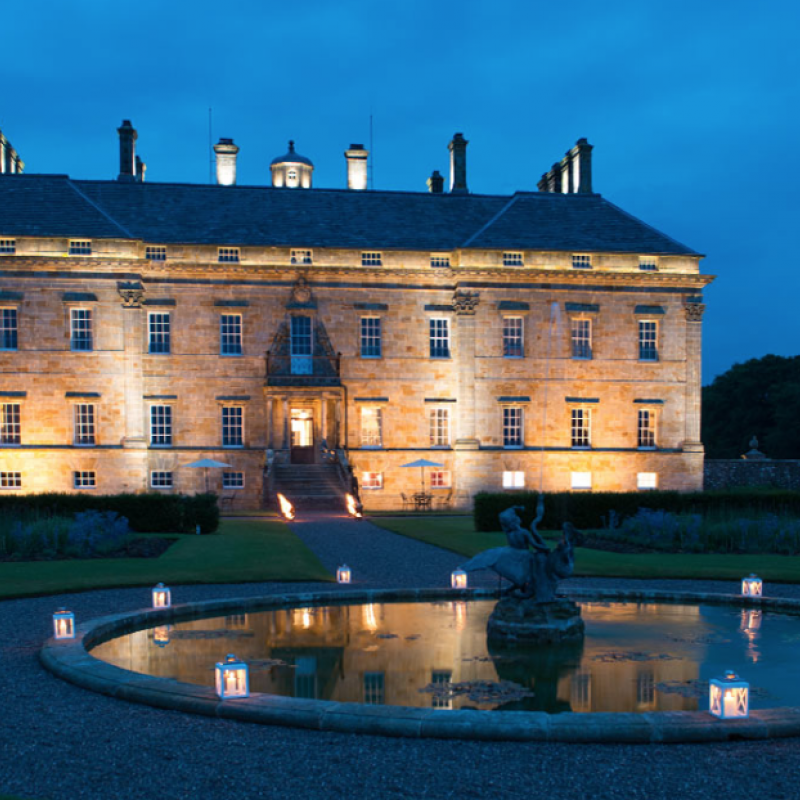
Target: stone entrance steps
[(309, 486)]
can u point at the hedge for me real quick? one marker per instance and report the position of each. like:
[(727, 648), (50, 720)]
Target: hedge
[(591, 509), (146, 513)]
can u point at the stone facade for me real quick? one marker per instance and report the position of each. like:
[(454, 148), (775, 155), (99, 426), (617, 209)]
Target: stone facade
[(457, 404)]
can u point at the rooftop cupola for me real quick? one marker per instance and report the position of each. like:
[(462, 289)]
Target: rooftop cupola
[(292, 171)]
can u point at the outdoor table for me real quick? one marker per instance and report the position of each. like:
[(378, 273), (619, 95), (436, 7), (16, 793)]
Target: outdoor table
[(422, 501)]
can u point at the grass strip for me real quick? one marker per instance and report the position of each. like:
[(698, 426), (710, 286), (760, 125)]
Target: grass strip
[(241, 552), (459, 536)]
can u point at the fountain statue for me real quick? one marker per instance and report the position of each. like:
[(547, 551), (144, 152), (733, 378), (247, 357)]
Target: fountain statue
[(529, 611)]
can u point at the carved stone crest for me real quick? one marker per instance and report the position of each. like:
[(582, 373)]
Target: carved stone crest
[(132, 294), (465, 302), (694, 309), (301, 294)]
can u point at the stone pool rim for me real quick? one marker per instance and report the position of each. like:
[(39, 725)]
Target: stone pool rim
[(71, 660)]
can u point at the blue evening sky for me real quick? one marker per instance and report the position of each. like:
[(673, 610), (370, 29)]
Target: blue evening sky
[(692, 107)]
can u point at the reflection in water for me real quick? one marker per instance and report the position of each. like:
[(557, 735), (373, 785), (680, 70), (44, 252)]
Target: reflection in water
[(435, 655)]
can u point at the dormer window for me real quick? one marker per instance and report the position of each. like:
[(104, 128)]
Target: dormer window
[(80, 247), (301, 257), (513, 260), (228, 255)]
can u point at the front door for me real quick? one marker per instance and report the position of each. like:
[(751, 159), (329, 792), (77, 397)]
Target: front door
[(302, 431)]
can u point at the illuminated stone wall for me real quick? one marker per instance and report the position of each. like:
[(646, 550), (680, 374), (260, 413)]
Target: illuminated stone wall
[(122, 380)]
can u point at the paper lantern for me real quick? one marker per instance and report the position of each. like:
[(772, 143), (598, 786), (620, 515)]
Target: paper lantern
[(729, 697), (233, 679), (752, 586), (343, 574), (458, 579), (162, 596), (63, 624)]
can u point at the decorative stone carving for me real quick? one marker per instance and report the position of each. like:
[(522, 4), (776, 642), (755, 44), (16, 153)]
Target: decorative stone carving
[(132, 294), (694, 310), (301, 296), (466, 302)]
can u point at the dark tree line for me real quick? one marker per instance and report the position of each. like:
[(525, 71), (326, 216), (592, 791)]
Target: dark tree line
[(761, 398)]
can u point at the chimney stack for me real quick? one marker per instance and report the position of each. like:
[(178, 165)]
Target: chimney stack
[(226, 152), (458, 164), (435, 183), (356, 167), (141, 168), (127, 151), (582, 167)]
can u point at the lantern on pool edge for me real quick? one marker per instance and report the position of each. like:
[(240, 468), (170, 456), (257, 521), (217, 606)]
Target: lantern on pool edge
[(752, 586), (729, 697), (162, 596), (232, 678), (63, 624), (458, 579), (343, 574), (161, 635)]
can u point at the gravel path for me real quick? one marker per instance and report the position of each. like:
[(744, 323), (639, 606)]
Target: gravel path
[(64, 743)]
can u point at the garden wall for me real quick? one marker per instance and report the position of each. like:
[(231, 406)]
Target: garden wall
[(726, 473)]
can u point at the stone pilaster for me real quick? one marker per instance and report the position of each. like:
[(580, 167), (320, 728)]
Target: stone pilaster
[(132, 295), (694, 340)]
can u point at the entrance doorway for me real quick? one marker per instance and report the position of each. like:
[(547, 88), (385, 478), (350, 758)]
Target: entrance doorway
[(302, 436)]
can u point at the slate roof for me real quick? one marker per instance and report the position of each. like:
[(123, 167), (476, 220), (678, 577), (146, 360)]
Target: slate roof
[(161, 213)]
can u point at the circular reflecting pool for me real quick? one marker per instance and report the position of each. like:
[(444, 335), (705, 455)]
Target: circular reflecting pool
[(635, 657)]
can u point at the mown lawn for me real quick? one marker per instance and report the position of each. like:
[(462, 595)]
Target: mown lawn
[(242, 551), (459, 535)]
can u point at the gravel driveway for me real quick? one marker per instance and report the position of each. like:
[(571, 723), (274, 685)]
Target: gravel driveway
[(64, 743)]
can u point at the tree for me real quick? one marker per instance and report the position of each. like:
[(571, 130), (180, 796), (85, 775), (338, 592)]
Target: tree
[(761, 398)]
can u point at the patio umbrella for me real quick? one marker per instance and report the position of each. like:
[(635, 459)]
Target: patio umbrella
[(422, 463), (206, 464)]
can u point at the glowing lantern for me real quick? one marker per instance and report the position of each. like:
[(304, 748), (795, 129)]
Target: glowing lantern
[(752, 586), (458, 579), (232, 678), (162, 596), (63, 624), (353, 507), (161, 635), (729, 697), (343, 574), (287, 509)]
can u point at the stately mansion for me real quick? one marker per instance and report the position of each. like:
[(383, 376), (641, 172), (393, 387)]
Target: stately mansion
[(543, 338)]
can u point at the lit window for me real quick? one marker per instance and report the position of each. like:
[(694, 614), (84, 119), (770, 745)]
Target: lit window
[(372, 480), (512, 427), (647, 480), (371, 427), (161, 426), (371, 260), (373, 688), (155, 253), (228, 255), (646, 429), (646, 689), (512, 337), (581, 427), (513, 260), (440, 479), (158, 328), (648, 340), (10, 480), (8, 247), (80, 247), (8, 329), (291, 177), (232, 426), (233, 480), (81, 329), (160, 480), (230, 334), (441, 679), (440, 338), (648, 264), (301, 257), (370, 337), (10, 432), (83, 479), (513, 480), (440, 261), (581, 262), (440, 427), (581, 480), (84, 424), (581, 338)]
